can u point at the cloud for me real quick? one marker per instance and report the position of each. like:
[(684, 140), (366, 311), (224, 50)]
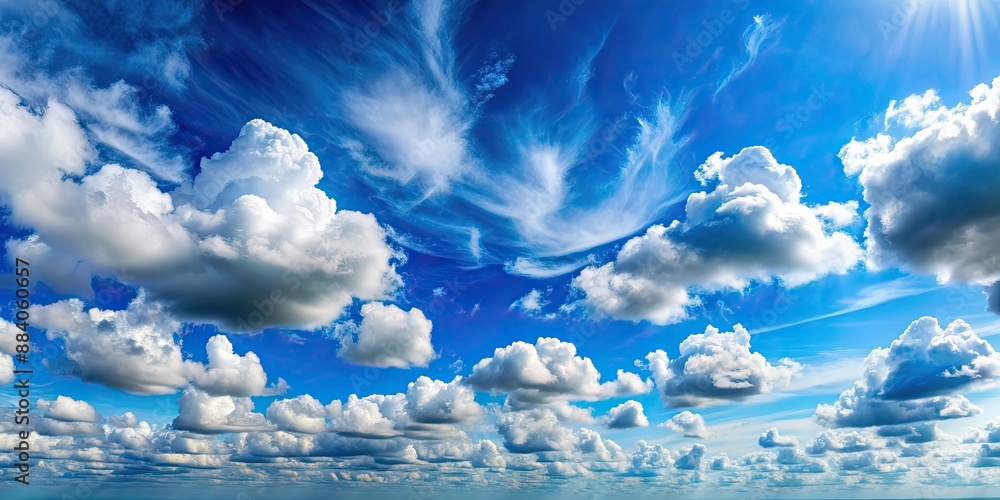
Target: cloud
[(688, 424), (249, 243), (989, 456), (547, 373), (626, 416), (716, 367), (692, 460), (302, 414), (230, 374), (487, 455), (532, 303), (6, 369), (751, 228), (931, 187), (756, 34), (771, 439), (388, 336), (202, 413), (132, 349), (67, 409), (435, 402), (838, 214), (66, 417), (649, 460), (411, 119), (917, 378), (534, 431), (135, 350), (911, 434), (987, 433), (8, 348), (841, 441), (373, 417)]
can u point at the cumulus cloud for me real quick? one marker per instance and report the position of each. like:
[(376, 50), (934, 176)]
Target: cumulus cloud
[(917, 378), (911, 434), (8, 348), (751, 228), (688, 424), (202, 413), (987, 433), (931, 187), (132, 349), (534, 431), (435, 402), (772, 439), (692, 460), (842, 442), (303, 414), (230, 374), (387, 337), (66, 416), (626, 416), (717, 367), (487, 455), (649, 460), (548, 372), (68, 410), (376, 416), (136, 350), (250, 243), (6, 369)]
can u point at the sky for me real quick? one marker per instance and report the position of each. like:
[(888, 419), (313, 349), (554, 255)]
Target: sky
[(726, 248)]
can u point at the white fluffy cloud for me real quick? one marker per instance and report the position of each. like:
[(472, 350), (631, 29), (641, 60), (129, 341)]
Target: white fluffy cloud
[(132, 349), (249, 243), (716, 367), (688, 424), (772, 439), (487, 455), (626, 416), (6, 369), (751, 228), (917, 378), (205, 414), (546, 373), (303, 414), (8, 348), (932, 187), (136, 350), (435, 402), (649, 460), (68, 410), (230, 374), (387, 336), (66, 416), (533, 431), (841, 442), (988, 433)]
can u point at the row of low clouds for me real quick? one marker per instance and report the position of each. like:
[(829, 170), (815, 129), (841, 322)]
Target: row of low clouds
[(424, 430)]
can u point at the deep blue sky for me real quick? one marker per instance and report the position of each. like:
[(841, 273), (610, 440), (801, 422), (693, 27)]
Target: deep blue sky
[(517, 161)]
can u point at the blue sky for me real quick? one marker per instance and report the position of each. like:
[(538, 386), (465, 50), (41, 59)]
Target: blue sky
[(724, 247)]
